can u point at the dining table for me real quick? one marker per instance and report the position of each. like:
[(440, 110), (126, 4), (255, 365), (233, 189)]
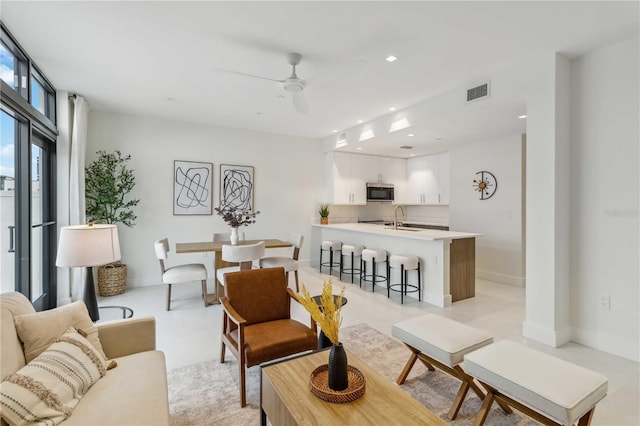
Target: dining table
[(216, 247)]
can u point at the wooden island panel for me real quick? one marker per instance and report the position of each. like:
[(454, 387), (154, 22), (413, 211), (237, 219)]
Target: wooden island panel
[(462, 272)]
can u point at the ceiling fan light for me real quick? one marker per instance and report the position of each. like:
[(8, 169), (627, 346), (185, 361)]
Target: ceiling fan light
[(292, 85)]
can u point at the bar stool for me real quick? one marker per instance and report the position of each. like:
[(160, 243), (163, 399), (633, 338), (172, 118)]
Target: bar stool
[(330, 246), (375, 256), (353, 250), (406, 263)]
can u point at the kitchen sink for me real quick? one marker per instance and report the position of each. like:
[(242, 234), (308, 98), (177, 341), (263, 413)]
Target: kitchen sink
[(403, 228)]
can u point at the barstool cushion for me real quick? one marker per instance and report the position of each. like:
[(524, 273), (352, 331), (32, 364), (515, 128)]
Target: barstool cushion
[(356, 249), (369, 254), (331, 245), (440, 338), (410, 262)]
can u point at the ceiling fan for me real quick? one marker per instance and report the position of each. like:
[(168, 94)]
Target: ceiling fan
[(293, 84)]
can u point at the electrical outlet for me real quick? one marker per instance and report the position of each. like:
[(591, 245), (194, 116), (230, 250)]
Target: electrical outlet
[(605, 302)]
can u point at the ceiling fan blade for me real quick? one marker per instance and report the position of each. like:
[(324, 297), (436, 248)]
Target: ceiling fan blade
[(299, 102), (250, 75)]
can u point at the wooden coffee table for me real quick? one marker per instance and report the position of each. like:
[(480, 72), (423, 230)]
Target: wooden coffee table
[(285, 398)]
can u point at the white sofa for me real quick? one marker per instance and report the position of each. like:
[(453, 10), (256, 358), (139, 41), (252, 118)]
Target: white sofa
[(133, 393)]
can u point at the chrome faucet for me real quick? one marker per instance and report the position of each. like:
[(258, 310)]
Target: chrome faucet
[(395, 216)]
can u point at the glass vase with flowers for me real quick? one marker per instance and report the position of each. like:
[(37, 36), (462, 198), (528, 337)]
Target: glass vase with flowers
[(236, 217)]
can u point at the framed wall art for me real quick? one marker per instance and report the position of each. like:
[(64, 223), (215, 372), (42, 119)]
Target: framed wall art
[(236, 187), (192, 188)]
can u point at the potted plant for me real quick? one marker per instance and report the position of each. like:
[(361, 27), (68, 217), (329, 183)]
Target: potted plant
[(108, 183), (324, 213)]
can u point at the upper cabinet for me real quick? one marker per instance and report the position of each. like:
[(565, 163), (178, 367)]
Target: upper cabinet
[(348, 175), (346, 178), (428, 179), (421, 180)]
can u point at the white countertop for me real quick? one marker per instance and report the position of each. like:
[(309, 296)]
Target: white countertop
[(416, 233)]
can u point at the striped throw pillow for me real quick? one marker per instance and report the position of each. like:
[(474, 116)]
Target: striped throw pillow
[(48, 388)]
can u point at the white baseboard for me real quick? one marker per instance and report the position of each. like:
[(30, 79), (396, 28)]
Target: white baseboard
[(437, 299), (501, 278), (605, 342), (555, 338)]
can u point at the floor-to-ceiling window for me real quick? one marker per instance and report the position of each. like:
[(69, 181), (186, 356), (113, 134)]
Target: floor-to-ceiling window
[(27, 177)]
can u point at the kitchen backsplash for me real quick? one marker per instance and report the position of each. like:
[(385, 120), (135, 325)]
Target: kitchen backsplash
[(383, 211)]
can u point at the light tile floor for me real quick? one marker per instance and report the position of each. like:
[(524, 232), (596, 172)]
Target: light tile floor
[(190, 333)]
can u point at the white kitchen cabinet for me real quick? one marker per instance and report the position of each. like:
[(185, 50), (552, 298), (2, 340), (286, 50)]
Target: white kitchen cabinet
[(348, 175), (428, 179), (346, 178), (394, 171), (443, 178)]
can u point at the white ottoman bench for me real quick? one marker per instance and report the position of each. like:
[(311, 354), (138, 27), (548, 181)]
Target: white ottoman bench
[(440, 341), (550, 390)]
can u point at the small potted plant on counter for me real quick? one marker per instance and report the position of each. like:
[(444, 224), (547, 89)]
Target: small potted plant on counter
[(324, 213)]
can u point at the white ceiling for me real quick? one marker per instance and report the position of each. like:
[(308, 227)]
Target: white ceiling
[(162, 59)]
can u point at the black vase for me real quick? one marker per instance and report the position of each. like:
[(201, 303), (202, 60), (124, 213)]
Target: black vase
[(338, 375)]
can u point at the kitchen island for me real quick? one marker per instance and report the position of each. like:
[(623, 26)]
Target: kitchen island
[(447, 258)]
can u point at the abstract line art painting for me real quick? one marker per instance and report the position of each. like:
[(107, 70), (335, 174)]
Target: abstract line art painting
[(192, 187), (236, 187)]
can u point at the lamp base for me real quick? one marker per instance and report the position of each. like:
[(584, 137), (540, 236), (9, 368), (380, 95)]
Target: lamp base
[(89, 296)]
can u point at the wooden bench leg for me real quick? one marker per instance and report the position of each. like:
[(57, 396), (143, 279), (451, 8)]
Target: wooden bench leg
[(585, 420), (407, 368), (459, 399), (484, 409), (504, 399)]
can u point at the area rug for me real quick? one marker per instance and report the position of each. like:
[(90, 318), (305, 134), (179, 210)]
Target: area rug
[(207, 393)]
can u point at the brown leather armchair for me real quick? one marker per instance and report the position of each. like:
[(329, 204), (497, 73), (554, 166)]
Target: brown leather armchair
[(256, 320)]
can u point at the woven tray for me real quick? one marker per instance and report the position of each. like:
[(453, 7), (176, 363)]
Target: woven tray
[(319, 385), (112, 279)]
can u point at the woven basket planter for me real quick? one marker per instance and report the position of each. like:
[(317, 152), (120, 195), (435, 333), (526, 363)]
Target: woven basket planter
[(112, 279)]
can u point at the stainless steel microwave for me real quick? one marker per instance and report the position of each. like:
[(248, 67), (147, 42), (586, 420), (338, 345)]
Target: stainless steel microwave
[(379, 192)]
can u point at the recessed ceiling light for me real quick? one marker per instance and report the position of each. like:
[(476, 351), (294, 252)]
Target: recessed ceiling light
[(360, 121), (412, 155), (400, 124), (258, 113), (334, 131), (171, 99), (522, 116), (392, 109), (390, 58), (439, 139), (366, 135), (411, 135), (359, 148)]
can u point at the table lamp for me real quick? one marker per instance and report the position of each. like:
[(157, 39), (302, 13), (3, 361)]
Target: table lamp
[(88, 246)]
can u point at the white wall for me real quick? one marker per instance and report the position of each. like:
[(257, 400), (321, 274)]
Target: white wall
[(499, 252), (288, 178), (604, 198)]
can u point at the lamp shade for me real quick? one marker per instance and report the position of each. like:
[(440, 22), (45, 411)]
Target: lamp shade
[(88, 245)]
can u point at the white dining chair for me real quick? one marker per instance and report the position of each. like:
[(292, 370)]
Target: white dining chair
[(290, 264), (244, 255), (179, 273)]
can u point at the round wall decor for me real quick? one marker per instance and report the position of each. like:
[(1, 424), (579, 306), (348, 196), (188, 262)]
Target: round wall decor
[(486, 184)]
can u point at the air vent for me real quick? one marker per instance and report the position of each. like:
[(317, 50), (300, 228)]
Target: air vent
[(479, 92), (406, 147)]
